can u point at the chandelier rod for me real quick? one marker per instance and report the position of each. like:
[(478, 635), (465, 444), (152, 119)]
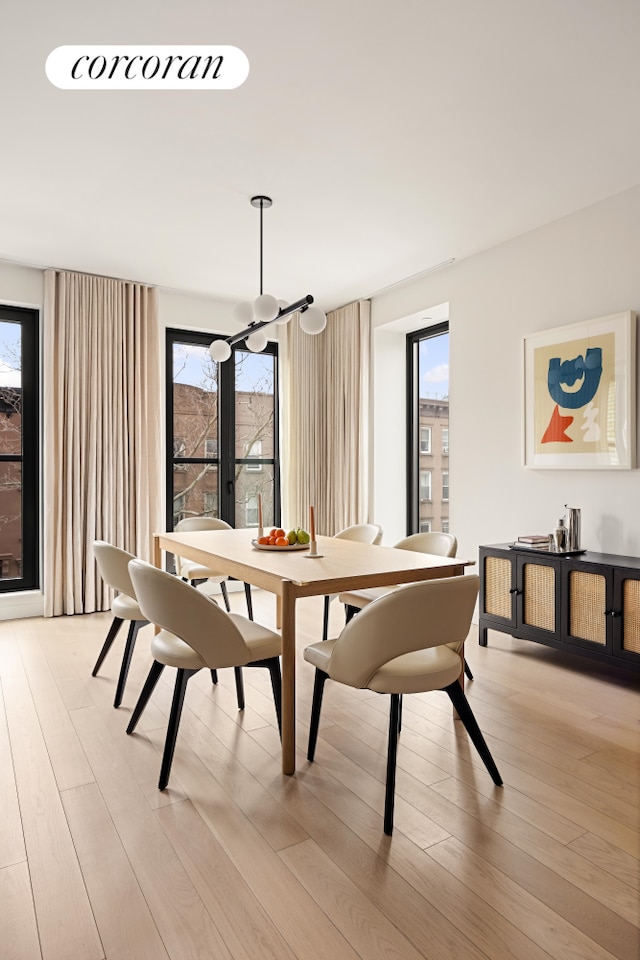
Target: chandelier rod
[(300, 305)]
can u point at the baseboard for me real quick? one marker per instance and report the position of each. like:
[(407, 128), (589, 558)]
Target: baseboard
[(20, 605)]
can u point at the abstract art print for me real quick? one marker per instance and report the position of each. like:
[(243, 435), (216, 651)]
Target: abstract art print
[(580, 395)]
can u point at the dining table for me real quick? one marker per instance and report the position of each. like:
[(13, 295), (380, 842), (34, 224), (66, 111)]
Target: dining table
[(340, 566)]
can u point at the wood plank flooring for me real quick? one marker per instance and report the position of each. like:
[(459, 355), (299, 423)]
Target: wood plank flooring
[(236, 862)]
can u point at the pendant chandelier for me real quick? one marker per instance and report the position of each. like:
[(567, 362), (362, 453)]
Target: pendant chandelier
[(266, 310)]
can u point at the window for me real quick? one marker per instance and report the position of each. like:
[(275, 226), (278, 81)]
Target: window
[(425, 526), (255, 450), (222, 428), (427, 424), (445, 525), (251, 511), (19, 445), (425, 439)]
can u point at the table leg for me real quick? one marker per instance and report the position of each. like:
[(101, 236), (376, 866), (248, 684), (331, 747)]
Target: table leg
[(288, 677), (157, 562), (278, 611)]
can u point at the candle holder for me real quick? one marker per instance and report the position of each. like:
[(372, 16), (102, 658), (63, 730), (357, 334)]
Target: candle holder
[(313, 551)]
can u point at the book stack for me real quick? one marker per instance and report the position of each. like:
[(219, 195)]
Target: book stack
[(535, 541)]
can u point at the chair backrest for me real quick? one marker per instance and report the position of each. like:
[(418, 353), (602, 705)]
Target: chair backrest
[(185, 612), (362, 533), (411, 617), (439, 544), (201, 523), (113, 567)]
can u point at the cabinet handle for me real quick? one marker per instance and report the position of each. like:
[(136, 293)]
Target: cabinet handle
[(608, 613), (616, 613), (515, 590)]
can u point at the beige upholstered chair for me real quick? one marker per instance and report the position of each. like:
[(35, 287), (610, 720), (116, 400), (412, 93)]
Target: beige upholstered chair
[(195, 572), (439, 544), (360, 533), (401, 644), (195, 634), (113, 568)]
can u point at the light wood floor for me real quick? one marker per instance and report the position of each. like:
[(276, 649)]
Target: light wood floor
[(236, 861)]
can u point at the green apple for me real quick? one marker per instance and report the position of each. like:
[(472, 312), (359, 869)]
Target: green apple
[(292, 537), (303, 536)]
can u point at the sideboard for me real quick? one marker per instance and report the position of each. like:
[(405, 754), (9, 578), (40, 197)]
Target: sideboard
[(587, 603)]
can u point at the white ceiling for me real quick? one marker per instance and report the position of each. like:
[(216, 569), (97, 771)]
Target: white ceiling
[(391, 136)]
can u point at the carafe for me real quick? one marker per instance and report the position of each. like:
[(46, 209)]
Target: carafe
[(572, 522)]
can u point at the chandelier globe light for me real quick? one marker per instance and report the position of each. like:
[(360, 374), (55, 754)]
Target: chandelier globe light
[(266, 310)]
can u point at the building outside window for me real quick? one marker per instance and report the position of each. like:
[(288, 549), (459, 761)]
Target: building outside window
[(254, 451), (445, 525), (445, 485), (19, 449), (425, 526), (445, 441)]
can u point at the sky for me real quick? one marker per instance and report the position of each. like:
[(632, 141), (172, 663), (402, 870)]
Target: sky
[(434, 367), (192, 364), (9, 354)]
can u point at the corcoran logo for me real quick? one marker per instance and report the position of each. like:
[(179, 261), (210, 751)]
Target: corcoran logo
[(147, 67)]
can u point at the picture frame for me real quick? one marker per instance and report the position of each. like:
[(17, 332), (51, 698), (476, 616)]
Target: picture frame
[(580, 395)]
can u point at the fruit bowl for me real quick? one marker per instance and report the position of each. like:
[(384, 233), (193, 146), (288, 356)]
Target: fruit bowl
[(273, 546)]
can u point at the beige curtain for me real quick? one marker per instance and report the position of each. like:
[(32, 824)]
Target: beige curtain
[(102, 431), (325, 420)]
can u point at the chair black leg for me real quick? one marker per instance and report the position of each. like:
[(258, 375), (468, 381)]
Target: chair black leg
[(239, 687), (174, 722), (214, 676), (392, 752), (318, 689), (149, 686), (126, 659), (276, 686), (349, 612), (247, 593), (225, 596), (464, 711), (325, 619), (467, 670), (400, 713), (106, 646)]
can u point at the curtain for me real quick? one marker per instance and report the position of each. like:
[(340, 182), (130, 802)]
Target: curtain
[(325, 420), (102, 431)]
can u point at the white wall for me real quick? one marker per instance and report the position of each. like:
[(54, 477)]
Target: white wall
[(584, 266)]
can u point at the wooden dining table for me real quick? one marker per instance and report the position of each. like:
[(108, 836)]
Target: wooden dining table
[(343, 565)]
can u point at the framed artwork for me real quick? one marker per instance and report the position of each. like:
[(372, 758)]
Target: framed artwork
[(580, 401)]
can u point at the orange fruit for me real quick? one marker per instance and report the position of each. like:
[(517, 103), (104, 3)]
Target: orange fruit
[(272, 540), (263, 540), (279, 533), (272, 532), (282, 541)]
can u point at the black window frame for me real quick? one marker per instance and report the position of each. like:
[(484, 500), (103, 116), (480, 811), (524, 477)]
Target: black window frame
[(413, 422), (226, 460), (29, 458)]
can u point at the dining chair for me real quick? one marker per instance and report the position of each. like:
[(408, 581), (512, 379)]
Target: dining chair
[(113, 567), (195, 573), (435, 542), (401, 644), (195, 634), (360, 533)]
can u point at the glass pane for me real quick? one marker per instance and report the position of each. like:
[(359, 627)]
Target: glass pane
[(195, 490), (248, 486), (10, 387), (195, 402), (255, 436), (433, 431), (10, 521)]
